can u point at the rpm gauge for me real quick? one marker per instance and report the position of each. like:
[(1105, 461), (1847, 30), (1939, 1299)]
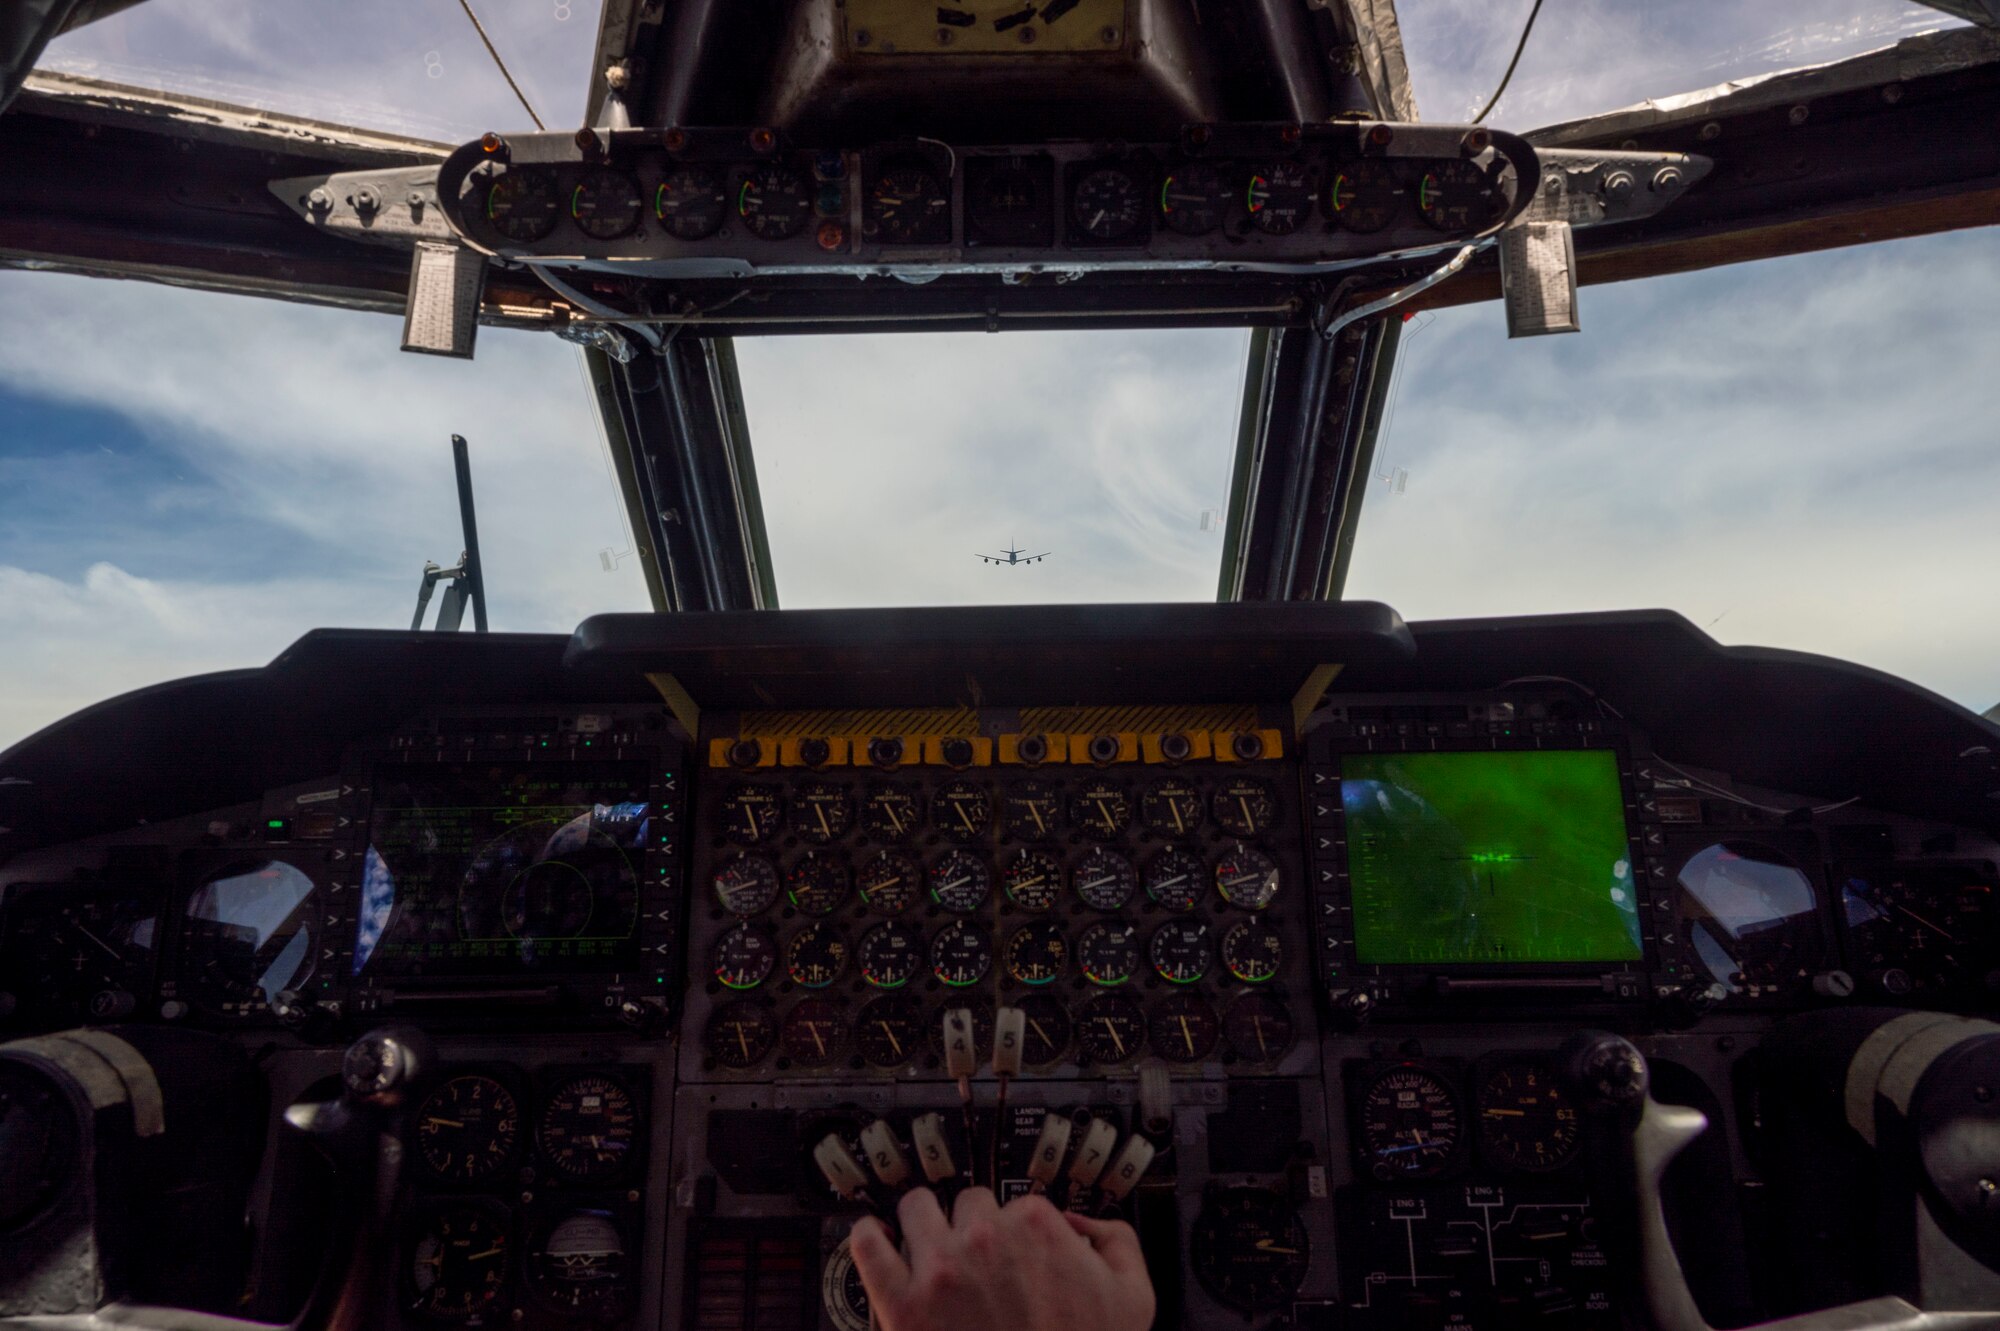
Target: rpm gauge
[(1104, 879), (1108, 205), (1249, 1249), (1409, 1124), (691, 203), (774, 202), (817, 884), (468, 1128), (524, 206), (1525, 1120), (589, 1127), (890, 882), (606, 204), (1247, 878), (1195, 198), (1177, 879), (960, 881), (458, 1267), (746, 885), (1033, 880)]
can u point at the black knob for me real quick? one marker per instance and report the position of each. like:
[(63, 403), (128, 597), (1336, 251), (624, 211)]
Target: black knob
[(1607, 1068), (1033, 748), (745, 753), (381, 1067), (112, 1005), (814, 752), (1895, 982), (1175, 747), (1247, 745), (885, 751), (1352, 1008), (957, 751), (1103, 749)]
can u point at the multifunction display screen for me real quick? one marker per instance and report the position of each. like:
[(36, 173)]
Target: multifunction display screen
[(1489, 857), (497, 868)]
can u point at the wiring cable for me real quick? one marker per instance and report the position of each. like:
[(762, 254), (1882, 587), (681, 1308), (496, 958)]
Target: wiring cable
[(520, 96), (1508, 77)]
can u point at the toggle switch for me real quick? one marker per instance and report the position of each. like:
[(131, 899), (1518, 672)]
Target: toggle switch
[(1127, 1169), (1049, 1150), (933, 1150), (842, 1170), (1093, 1153), (885, 1154)]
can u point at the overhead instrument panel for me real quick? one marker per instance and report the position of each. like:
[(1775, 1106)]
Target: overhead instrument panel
[(1136, 892), (708, 202)]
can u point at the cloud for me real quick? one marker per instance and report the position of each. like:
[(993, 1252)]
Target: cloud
[(1799, 452)]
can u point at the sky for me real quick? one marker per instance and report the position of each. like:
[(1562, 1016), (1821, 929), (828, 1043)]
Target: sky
[(1795, 453)]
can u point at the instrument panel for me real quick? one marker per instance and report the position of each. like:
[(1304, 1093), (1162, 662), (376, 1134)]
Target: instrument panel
[(706, 202), (1290, 981)]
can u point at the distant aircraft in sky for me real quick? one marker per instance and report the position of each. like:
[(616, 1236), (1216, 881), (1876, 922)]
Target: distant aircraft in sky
[(1013, 556)]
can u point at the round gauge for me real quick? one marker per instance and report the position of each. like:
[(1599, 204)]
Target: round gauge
[(691, 203), (606, 204), (1100, 809), (1364, 196), (1033, 879), (890, 882), (890, 812), (751, 814), (741, 1034), (890, 1030), (1104, 879), (1749, 918), (1457, 196), (1245, 806), (1031, 811), (1249, 1249), (982, 1025), (744, 956), (582, 1267), (1280, 197), (1195, 198), (248, 932), (69, 956), (1247, 878), (821, 811), (1252, 951), (1409, 1124), (961, 810), (1177, 879), (1184, 1028), (458, 1268), (1171, 806), (589, 1126), (39, 1134), (814, 1032), (960, 881), (1110, 1029), (524, 206), (1525, 1119), (1048, 1029), (961, 954), (816, 955), (1108, 204), (1036, 952), (1108, 952), (1180, 950), (746, 885), (817, 884), (468, 1128), (908, 205), (774, 202), (890, 954), (842, 1293), (1258, 1028), (1923, 926), (1008, 207)]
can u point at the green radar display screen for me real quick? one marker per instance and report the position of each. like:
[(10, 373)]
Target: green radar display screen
[(1512, 857)]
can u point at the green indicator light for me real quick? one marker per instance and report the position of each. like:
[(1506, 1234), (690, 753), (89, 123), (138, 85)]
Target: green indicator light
[(275, 822), (1492, 857), (1166, 185), (575, 198), (1171, 980), (741, 196), (1098, 979), (958, 984)]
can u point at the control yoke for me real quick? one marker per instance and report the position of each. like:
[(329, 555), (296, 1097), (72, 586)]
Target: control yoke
[(1633, 1138)]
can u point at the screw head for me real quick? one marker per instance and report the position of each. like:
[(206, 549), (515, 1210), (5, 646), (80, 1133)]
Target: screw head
[(1798, 114), (1710, 132), (1027, 35), (862, 36), (1618, 185), (1668, 180)]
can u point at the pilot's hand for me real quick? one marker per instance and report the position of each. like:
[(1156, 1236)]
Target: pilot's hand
[(1024, 1266)]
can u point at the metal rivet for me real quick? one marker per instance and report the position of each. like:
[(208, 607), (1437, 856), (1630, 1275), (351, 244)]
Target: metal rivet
[(1797, 115), (1710, 132)]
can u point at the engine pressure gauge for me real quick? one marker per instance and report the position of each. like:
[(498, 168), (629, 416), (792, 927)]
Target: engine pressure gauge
[(891, 882), (468, 1129), (691, 203), (1032, 811), (962, 810), (1364, 196), (1171, 807), (891, 812), (589, 1127), (524, 206), (961, 954), (1245, 806), (890, 1030), (1279, 197), (1457, 196), (774, 202), (890, 954), (817, 884), (1033, 879), (751, 813), (744, 956), (1100, 809), (1195, 198), (821, 811), (741, 1034), (1104, 879), (816, 955)]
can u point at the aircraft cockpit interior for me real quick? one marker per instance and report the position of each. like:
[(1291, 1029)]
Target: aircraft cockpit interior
[(1569, 965)]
